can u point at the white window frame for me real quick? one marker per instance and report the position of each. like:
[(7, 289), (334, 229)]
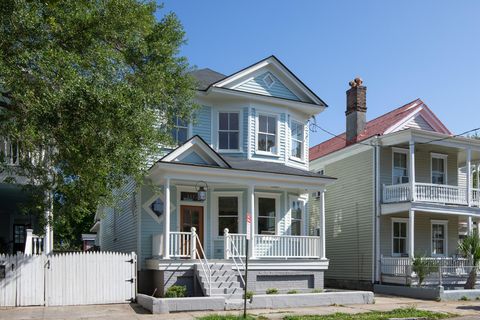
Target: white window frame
[(445, 239), (176, 126), (239, 131), (216, 216), (277, 135), (302, 220), (403, 151), (302, 157), (400, 220), (443, 157), (277, 210)]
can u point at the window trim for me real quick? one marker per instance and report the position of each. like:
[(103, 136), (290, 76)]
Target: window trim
[(302, 220), (275, 196), (240, 133), (445, 240), (290, 139), (404, 151), (189, 131), (218, 194), (277, 135), (399, 220), (146, 206), (444, 157)]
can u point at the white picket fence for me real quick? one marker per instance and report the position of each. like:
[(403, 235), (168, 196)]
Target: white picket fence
[(67, 279)]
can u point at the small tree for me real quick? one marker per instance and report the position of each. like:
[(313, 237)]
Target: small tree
[(470, 248), (422, 267)]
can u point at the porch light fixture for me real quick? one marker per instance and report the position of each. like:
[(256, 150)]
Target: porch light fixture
[(201, 188)]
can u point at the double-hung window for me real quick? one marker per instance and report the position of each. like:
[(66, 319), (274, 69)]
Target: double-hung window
[(266, 216), (439, 169), (179, 131), (439, 239), (267, 133), (227, 214), (400, 167), (298, 137), (296, 217), (228, 131), (399, 237)]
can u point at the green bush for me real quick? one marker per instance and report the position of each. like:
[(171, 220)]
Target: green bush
[(176, 292), (249, 295), (292, 292), (317, 290), (272, 291), (422, 267), (464, 298)]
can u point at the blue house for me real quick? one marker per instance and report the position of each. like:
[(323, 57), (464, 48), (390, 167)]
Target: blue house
[(245, 153)]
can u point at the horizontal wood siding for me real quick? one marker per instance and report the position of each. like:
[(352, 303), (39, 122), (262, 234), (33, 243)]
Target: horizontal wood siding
[(119, 223), (258, 86), (349, 217), (422, 237), (422, 164), (203, 123), (418, 123)]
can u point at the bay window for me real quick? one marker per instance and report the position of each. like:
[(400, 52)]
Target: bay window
[(297, 139), (267, 133)]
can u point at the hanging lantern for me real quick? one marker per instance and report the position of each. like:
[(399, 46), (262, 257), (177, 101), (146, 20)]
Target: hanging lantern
[(201, 188)]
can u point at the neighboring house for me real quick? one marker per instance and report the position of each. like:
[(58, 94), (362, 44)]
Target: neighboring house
[(15, 223), (405, 187), (245, 153)]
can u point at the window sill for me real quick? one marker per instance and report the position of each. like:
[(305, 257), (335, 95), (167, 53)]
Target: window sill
[(298, 160), (265, 153), (230, 150)]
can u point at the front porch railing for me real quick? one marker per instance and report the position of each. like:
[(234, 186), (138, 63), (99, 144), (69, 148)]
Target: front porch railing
[(273, 246), (34, 244), (181, 244), (429, 192)]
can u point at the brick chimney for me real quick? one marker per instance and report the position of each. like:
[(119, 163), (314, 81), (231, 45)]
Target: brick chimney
[(356, 110)]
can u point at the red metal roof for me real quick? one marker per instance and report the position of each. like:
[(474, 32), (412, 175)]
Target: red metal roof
[(374, 127)]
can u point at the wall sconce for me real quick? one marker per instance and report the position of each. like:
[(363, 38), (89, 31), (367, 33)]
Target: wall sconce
[(201, 188)]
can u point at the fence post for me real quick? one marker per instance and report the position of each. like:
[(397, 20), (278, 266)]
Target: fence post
[(193, 243), (226, 244), (28, 242), (440, 280)]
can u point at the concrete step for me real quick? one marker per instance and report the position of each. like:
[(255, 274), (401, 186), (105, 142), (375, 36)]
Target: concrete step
[(215, 278), (230, 285), (225, 291)]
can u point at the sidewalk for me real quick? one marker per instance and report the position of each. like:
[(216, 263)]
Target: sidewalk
[(125, 311)]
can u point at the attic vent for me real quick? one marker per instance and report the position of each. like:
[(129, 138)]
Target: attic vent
[(269, 81)]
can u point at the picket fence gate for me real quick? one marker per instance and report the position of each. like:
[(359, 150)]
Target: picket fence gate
[(67, 279)]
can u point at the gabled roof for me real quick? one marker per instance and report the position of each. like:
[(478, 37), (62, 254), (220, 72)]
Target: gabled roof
[(209, 79), (392, 121)]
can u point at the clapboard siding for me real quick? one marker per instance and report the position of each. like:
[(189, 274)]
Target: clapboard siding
[(257, 85), (418, 123), (203, 123), (422, 164), (119, 223), (349, 217), (422, 230)]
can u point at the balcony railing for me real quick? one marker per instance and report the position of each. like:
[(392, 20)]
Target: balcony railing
[(9, 152), (429, 192)]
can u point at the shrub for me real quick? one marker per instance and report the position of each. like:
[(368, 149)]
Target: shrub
[(464, 298), (292, 292), (249, 295), (422, 267), (176, 292), (317, 290), (272, 291)]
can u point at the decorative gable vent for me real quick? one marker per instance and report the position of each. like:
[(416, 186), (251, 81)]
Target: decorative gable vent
[(269, 81)]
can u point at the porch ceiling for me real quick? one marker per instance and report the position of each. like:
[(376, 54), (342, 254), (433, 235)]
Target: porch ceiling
[(394, 208)]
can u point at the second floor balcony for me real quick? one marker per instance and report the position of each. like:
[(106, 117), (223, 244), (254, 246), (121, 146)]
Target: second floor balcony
[(430, 192)]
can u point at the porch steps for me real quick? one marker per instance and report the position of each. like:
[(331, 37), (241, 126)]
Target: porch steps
[(224, 279)]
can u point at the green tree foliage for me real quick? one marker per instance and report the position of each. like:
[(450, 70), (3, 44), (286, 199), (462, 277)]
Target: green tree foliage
[(87, 82), (470, 248)]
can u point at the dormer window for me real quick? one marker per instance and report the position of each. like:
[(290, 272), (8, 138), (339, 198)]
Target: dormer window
[(297, 135), (269, 81), (179, 131), (228, 131), (267, 134)]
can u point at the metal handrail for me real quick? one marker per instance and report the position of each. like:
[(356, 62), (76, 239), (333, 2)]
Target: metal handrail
[(237, 253), (207, 265)]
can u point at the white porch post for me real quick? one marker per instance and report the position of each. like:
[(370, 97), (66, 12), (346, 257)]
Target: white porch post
[(469, 177), (251, 210), (411, 233), (48, 241), (226, 244), (166, 225), (469, 225), (322, 224), (477, 171), (411, 171)]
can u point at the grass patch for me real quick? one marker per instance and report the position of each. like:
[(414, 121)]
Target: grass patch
[(464, 298), (272, 291), (292, 292), (376, 315), (226, 317)]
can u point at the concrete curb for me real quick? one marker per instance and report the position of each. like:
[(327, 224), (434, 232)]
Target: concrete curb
[(428, 293)]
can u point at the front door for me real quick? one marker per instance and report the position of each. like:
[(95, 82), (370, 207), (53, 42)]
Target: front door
[(192, 216)]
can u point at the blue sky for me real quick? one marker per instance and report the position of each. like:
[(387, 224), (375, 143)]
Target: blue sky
[(403, 50)]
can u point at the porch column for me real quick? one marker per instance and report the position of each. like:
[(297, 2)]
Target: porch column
[(411, 233), (251, 210), (477, 171), (411, 169), (322, 224), (166, 222), (469, 225), (48, 240), (469, 177)]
